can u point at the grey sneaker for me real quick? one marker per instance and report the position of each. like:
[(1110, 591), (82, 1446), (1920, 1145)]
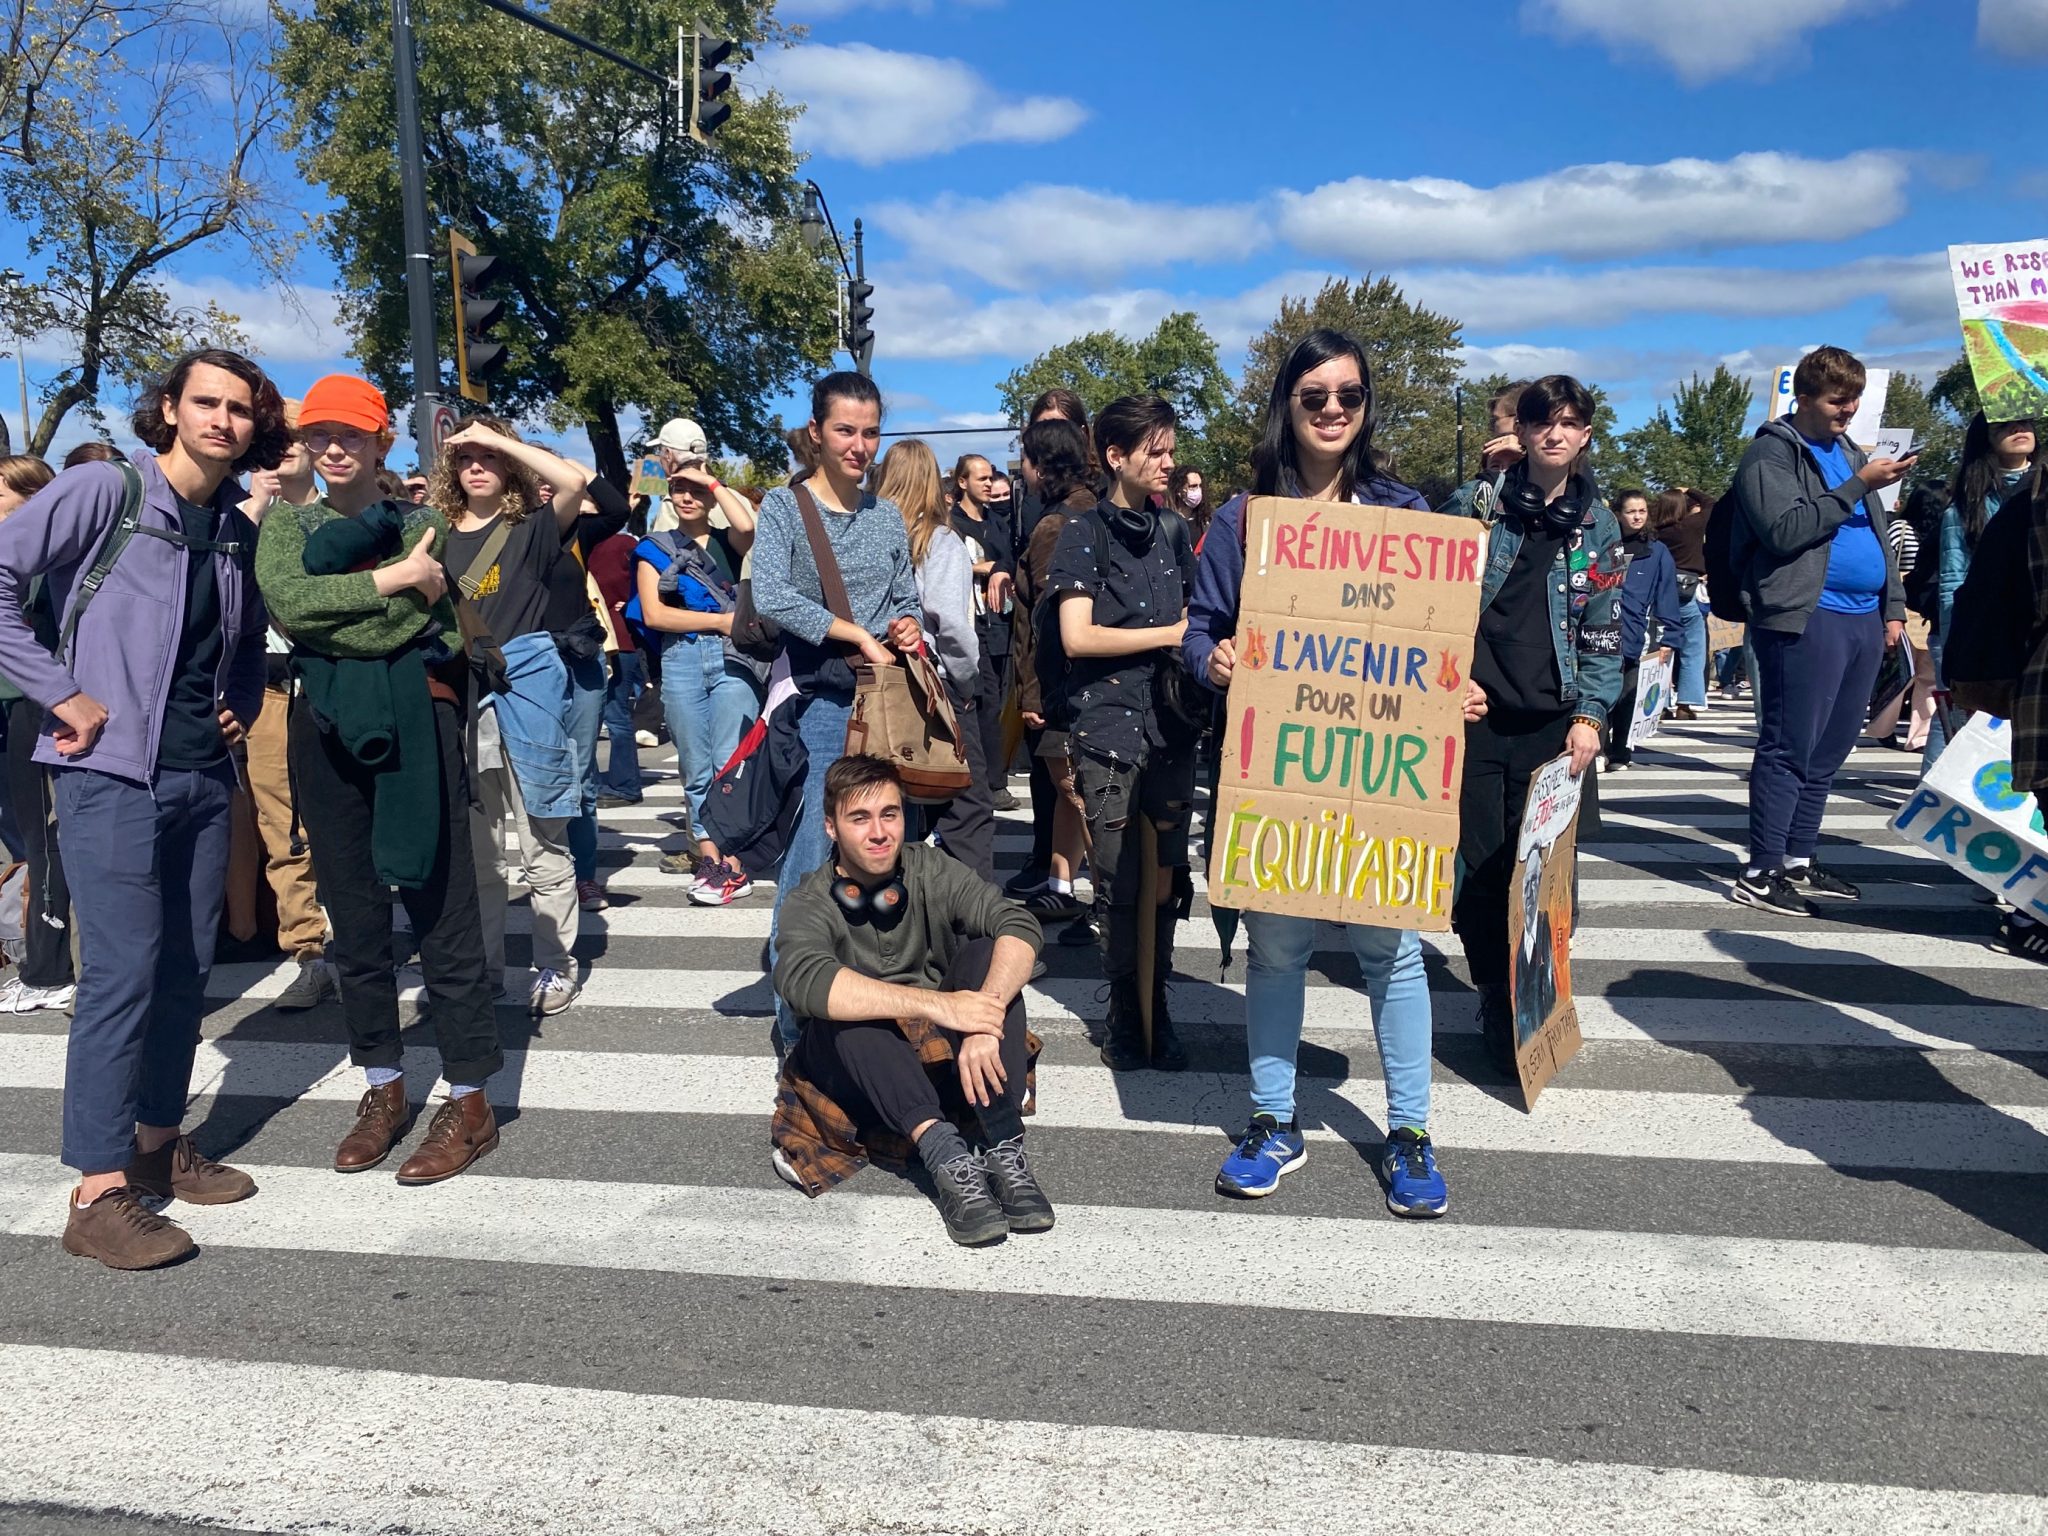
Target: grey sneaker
[(973, 1216), (552, 992), (315, 984), (1016, 1189)]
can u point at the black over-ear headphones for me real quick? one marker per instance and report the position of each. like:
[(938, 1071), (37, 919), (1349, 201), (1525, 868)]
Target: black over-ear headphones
[(882, 904)]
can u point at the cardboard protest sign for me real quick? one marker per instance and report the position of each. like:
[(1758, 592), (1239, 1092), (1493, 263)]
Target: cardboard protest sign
[(650, 479), (1892, 443), (1722, 635), (1653, 697), (1343, 736), (1968, 813), (2002, 296), (1540, 929)]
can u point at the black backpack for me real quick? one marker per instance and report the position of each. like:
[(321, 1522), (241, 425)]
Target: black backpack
[(1724, 584)]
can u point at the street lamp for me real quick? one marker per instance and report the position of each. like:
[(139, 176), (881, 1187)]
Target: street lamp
[(14, 279), (856, 334)]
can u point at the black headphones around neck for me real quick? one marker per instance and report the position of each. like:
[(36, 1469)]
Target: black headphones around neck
[(1135, 525), (884, 903)]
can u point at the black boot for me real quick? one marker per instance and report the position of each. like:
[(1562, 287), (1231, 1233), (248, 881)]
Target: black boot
[(1168, 1054), (1497, 1028), (1123, 1032)]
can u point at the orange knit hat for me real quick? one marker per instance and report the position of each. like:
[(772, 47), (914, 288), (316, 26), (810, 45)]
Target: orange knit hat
[(347, 401)]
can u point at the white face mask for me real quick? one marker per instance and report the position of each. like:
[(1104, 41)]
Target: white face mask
[(1192, 496)]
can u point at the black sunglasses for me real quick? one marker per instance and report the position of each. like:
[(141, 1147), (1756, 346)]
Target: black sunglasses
[(1350, 397)]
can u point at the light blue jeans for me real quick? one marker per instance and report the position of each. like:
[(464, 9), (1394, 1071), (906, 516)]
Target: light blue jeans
[(822, 729), (586, 710), (709, 705), (1275, 995), (1692, 655)]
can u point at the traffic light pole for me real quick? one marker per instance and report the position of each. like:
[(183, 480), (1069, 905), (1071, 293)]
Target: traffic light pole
[(865, 357), (419, 264)]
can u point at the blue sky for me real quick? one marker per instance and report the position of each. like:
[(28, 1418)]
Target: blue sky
[(1625, 189)]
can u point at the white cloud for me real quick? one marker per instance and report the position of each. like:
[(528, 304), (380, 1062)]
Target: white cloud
[(871, 105), (1916, 289), (931, 321), (1039, 234), (2016, 28), (1598, 211), (1701, 42)]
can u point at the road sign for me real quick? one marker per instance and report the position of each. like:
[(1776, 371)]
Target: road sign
[(444, 425)]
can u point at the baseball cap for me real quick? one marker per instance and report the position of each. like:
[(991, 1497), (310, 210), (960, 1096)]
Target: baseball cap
[(684, 437), (347, 401)]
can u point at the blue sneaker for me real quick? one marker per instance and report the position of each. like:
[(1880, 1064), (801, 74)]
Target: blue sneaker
[(1268, 1150), (1408, 1164)]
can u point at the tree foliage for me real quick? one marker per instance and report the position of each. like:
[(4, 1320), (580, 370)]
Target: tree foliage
[(1414, 355), (127, 150), (1937, 414), (646, 273), (1695, 441), (1177, 362)]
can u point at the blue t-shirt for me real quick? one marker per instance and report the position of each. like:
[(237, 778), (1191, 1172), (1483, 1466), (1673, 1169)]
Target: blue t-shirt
[(1856, 570)]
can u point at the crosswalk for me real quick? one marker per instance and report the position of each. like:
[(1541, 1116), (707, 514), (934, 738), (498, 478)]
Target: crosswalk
[(1768, 1256)]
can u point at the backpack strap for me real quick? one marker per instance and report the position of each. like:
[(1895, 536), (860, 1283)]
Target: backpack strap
[(472, 582), (111, 546)]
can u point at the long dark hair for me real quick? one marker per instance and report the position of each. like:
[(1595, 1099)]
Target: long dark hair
[(266, 444), (1979, 477), (1199, 514), (1276, 463), (1058, 450)]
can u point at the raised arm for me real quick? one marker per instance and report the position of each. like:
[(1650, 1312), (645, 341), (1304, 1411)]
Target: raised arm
[(568, 480)]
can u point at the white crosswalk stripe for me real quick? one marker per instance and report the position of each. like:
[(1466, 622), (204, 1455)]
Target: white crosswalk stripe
[(1769, 1256)]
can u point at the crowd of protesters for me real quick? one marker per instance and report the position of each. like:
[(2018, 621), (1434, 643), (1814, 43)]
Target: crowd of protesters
[(251, 646)]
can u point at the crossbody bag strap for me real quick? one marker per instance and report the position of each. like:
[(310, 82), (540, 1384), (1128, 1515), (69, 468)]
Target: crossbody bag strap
[(111, 546), (830, 581), (472, 581)]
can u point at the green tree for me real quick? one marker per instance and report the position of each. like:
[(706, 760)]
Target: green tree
[(1177, 362), (647, 272), (1696, 441), (134, 148), (1414, 356), (1937, 425)]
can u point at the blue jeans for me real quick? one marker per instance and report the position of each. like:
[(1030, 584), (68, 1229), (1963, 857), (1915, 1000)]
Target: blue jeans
[(147, 871), (586, 708), (709, 704), (1937, 732), (621, 775), (1813, 703), (1692, 654), (822, 728), (1275, 994)]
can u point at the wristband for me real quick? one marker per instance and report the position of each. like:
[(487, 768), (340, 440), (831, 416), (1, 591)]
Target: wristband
[(718, 485), (1597, 725)]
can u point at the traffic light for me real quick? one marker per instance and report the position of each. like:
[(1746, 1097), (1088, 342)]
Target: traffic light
[(860, 322), (476, 357), (708, 83)]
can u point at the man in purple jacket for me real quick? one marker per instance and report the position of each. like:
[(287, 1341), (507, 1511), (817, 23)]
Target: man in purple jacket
[(145, 697)]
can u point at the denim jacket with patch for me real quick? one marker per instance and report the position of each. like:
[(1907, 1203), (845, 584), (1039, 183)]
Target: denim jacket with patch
[(1585, 602)]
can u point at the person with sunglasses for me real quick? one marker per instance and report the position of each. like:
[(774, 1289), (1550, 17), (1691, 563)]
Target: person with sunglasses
[(1317, 444)]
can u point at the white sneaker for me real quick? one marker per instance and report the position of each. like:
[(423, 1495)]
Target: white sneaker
[(552, 992), (646, 739), (17, 996)]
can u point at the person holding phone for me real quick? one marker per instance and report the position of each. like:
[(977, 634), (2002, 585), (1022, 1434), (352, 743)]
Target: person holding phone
[(1825, 603)]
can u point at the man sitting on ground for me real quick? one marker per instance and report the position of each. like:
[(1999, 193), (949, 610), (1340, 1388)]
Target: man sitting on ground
[(905, 969)]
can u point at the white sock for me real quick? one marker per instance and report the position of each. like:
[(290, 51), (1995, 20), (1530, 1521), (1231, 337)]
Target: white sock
[(1056, 884), (464, 1090), (379, 1076), (1754, 872), (1797, 866)]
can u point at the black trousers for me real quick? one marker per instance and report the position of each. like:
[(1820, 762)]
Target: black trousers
[(1618, 749), (1162, 789), (992, 690), (1045, 799), (48, 960), (335, 799), (1501, 756), (874, 1074), (967, 822)]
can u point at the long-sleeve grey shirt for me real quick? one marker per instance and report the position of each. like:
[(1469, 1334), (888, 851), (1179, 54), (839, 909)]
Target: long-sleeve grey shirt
[(945, 585), (873, 552)]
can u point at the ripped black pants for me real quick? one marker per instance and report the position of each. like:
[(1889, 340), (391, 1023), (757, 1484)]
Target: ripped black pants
[(1161, 789)]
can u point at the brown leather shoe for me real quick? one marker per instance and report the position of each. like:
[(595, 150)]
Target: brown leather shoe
[(177, 1170), (461, 1131), (122, 1233), (383, 1115)]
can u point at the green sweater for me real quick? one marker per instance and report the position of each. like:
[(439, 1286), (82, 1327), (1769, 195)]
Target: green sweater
[(949, 905), (342, 616)]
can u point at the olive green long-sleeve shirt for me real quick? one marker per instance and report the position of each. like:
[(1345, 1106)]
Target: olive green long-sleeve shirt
[(949, 906)]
